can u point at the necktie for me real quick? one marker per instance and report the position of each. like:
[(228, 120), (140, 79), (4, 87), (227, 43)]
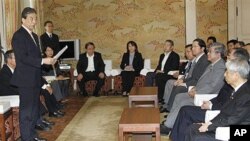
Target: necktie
[(188, 69), (50, 36), (190, 72)]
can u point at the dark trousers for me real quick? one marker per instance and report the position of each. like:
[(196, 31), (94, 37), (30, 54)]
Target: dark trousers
[(29, 111), (128, 78), (161, 79), (175, 91), (64, 86), (87, 76), (50, 101), (193, 134), (186, 117), (149, 79)]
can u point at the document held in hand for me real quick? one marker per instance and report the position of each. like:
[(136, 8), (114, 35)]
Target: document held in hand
[(60, 53)]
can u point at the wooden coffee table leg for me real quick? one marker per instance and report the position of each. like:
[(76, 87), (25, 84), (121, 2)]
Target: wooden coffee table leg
[(130, 102), (157, 134), (121, 135)]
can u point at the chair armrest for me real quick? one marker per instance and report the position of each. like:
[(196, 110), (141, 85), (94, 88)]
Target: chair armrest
[(210, 114), (222, 133), (199, 98), (145, 71), (4, 106), (115, 72), (13, 99)]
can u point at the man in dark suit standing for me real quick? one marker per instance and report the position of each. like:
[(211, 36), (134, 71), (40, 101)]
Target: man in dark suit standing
[(27, 75), (90, 67), (49, 38), (6, 74), (168, 61), (236, 111)]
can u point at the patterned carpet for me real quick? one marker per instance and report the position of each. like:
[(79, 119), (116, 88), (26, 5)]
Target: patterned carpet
[(97, 120)]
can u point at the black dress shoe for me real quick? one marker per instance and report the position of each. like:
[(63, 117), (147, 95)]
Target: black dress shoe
[(49, 123), (84, 94), (165, 116), (40, 139), (55, 114), (164, 110), (163, 122), (61, 112), (164, 130), (42, 127)]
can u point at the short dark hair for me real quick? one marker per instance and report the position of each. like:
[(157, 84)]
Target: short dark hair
[(241, 53), (201, 43), (211, 38), (133, 43), (242, 44), (45, 23), (8, 55), (88, 44), (232, 41), (171, 42), (247, 44), (188, 45), (26, 11)]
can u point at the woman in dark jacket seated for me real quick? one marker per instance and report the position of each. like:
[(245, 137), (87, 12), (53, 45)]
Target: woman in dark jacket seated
[(132, 63), (60, 86)]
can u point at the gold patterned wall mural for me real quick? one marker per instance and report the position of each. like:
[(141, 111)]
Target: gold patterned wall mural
[(212, 19), (110, 24), (12, 19)]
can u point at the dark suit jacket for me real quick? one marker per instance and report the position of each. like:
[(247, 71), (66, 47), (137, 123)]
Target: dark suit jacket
[(235, 111), (182, 68), (198, 70), (51, 42), (28, 59), (137, 62), (222, 98), (5, 77), (82, 64), (172, 63)]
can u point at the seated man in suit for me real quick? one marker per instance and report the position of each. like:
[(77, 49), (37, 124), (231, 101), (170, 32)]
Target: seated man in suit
[(168, 61), (195, 114), (52, 105), (90, 67), (198, 67), (6, 88), (185, 71), (6, 74), (210, 82), (236, 111)]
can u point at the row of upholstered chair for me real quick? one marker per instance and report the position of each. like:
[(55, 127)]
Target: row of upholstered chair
[(113, 80)]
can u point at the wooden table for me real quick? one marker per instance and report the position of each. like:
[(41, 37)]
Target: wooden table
[(143, 94), (139, 120), (3, 118)]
